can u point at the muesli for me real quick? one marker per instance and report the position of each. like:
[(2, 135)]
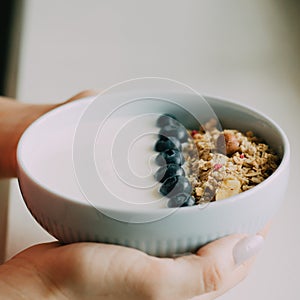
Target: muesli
[(220, 164)]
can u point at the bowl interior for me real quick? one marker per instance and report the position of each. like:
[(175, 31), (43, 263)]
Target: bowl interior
[(46, 150)]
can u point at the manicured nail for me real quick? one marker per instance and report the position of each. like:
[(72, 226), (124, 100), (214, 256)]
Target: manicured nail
[(246, 248)]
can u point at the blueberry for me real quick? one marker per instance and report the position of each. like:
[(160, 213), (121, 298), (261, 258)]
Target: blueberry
[(189, 202), (178, 200), (176, 131), (170, 156), (175, 185), (166, 119), (167, 143), (168, 171), (168, 185)]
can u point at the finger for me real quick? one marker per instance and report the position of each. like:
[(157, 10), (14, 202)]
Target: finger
[(83, 94), (37, 249)]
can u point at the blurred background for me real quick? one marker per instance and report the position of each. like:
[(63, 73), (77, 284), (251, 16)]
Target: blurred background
[(243, 50)]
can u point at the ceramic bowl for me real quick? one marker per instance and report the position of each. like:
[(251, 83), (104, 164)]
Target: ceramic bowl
[(51, 192)]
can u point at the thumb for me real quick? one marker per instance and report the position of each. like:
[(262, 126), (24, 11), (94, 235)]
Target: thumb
[(220, 265)]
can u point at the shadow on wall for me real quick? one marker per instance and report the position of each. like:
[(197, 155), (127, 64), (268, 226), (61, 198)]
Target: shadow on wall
[(290, 11), (6, 17), (9, 16)]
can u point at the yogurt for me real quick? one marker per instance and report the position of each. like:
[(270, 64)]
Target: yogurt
[(123, 158)]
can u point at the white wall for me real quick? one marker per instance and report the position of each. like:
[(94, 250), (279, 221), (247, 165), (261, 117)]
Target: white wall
[(73, 44), (246, 50)]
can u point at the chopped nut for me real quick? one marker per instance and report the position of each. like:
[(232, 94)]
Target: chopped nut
[(232, 144), (199, 191), (229, 187), (227, 143)]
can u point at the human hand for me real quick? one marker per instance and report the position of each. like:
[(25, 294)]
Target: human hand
[(102, 271), (15, 117)]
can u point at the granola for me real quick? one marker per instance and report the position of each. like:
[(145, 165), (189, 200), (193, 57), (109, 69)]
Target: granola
[(223, 163)]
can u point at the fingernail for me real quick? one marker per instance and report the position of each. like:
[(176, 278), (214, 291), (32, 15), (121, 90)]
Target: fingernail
[(246, 248)]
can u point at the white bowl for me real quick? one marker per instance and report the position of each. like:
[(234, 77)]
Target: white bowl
[(56, 201)]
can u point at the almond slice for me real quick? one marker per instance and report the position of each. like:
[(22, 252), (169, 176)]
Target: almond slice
[(228, 188)]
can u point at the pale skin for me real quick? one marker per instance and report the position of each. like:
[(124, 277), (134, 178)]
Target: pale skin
[(101, 271)]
